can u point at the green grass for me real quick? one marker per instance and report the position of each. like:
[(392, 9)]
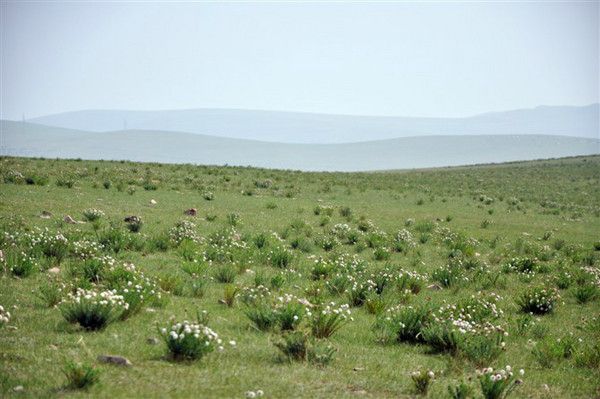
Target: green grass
[(549, 210)]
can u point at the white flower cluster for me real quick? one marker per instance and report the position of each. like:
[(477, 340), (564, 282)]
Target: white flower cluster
[(254, 394), (184, 230), (229, 238), (108, 298), (333, 309), (4, 316), (137, 283), (539, 300), (405, 237), (430, 374), (196, 332), (475, 315), (86, 249), (504, 374), (252, 295), (105, 260), (92, 214), (45, 238), (594, 273), (21, 260), (340, 230), (344, 263), (409, 275)]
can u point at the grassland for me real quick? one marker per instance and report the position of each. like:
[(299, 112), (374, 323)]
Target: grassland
[(504, 229)]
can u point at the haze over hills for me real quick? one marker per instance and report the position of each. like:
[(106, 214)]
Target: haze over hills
[(294, 127), (28, 139)]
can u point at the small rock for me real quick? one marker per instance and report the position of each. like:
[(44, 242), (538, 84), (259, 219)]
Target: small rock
[(18, 388), (150, 310), (191, 212), (45, 215), (53, 347), (119, 360), (68, 219), (152, 341), (222, 302), (54, 270), (434, 287), (153, 202)]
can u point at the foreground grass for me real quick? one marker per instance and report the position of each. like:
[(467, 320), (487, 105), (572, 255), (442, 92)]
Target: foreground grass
[(547, 210)]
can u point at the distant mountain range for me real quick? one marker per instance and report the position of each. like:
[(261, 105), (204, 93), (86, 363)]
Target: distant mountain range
[(294, 127), (29, 139)]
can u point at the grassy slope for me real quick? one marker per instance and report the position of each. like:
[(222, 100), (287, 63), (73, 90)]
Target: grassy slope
[(32, 355), (175, 147)]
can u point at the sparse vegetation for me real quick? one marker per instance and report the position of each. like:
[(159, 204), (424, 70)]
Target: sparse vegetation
[(363, 273)]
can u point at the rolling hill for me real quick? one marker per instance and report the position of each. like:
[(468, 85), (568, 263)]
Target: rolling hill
[(294, 127), (34, 140)]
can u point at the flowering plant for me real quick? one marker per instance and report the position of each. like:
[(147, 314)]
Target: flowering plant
[(497, 384), (538, 300), (190, 341), (92, 214), (135, 288), (183, 230), (422, 379), (21, 264), (86, 249), (93, 309), (326, 320)]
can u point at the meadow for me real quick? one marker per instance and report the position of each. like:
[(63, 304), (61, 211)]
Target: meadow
[(233, 282)]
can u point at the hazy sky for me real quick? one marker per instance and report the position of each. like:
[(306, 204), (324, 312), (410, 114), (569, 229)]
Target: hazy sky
[(408, 59)]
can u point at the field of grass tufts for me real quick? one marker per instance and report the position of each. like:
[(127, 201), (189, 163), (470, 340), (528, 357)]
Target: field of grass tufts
[(121, 279)]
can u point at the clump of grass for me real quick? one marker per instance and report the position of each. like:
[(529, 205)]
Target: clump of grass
[(91, 309), (298, 346), (172, 283), (80, 375), (403, 323), (497, 384), (422, 380), (588, 356), (20, 264), (550, 351), (460, 391), (325, 320), (225, 274), (50, 293), (538, 300), (230, 292), (447, 276), (262, 316), (346, 212), (585, 293), (375, 304), (280, 257), (381, 253), (134, 224), (91, 214), (234, 219), (190, 341)]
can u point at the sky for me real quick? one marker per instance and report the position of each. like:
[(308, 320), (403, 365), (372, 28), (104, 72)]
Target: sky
[(400, 59)]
